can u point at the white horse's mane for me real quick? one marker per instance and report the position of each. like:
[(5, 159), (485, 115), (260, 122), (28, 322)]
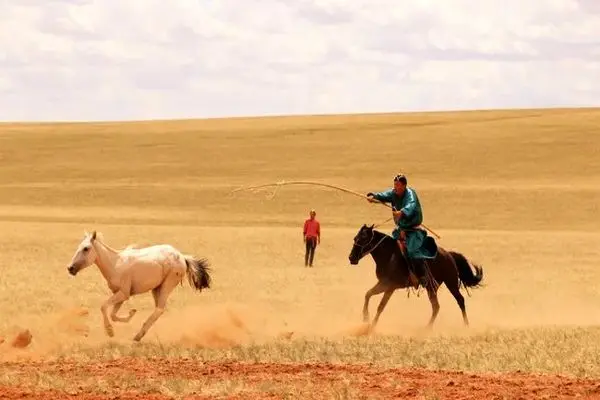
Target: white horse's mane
[(100, 238)]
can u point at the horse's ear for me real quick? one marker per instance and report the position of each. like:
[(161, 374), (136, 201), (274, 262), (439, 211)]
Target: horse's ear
[(372, 226), (93, 237)]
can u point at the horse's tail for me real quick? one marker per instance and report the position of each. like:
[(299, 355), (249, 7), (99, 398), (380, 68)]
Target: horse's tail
[(465, 273), (198, 272)]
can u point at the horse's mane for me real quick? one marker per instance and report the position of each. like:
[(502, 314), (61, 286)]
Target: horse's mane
[(384, 234), (100, 237), (386, 238)]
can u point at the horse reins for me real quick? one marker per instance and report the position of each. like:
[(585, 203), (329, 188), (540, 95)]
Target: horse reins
[(381, 223), (372, 248)]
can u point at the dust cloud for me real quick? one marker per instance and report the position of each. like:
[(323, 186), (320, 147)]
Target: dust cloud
[(227, 325), (216, 327)]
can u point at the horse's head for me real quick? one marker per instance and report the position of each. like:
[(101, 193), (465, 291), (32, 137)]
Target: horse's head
[(363, 238), (85, 255)]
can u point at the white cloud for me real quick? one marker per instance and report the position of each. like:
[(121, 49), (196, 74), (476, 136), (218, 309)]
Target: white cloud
[(137, 59)]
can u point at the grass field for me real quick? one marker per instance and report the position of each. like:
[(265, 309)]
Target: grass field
[(517, 191)]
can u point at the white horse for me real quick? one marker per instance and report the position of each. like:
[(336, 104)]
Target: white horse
[(134, 271)]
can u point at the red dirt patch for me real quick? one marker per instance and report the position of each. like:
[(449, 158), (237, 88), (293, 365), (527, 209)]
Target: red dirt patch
[(270, 381), (7, 392)]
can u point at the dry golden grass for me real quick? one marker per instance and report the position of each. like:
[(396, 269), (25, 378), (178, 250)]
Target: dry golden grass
[(517, 191)]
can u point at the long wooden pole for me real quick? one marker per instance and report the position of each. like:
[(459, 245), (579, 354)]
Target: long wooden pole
[(343, 189)]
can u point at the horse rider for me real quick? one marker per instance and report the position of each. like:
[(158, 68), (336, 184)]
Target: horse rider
[(408, 215)]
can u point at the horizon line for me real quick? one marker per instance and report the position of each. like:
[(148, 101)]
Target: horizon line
[(292, 115)]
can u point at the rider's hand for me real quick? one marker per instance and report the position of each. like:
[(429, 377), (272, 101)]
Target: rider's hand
[(370, 198), (397, 215)]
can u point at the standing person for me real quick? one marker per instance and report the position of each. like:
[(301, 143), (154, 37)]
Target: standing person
[(312, 237), (408, 215)]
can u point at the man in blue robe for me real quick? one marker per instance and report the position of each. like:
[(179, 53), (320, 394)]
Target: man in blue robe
[(408, 216)]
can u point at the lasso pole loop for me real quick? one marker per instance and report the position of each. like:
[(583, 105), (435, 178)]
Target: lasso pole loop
[(343, 189)]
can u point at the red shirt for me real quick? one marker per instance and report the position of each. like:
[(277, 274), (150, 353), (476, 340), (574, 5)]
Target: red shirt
[(312, 228)]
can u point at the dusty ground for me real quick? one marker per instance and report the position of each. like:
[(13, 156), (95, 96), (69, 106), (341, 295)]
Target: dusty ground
[(272, 381), (517, 191)]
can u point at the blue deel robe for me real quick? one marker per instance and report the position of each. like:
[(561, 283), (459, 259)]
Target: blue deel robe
[(418, 244)]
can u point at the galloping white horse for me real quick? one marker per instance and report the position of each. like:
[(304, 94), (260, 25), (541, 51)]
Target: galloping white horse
[(134, 271)]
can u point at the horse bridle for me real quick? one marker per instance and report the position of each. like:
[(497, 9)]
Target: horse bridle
[(362, 254)]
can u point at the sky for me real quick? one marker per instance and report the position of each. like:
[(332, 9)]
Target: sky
[(81, 60)]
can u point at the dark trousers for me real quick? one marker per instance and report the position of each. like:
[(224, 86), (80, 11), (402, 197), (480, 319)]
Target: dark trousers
[(309, 254)]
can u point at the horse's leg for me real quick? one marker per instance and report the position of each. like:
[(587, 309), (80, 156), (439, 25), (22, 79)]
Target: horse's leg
[(155, 293), (378, 288), (455, 290), (160, 295), (384, 300), (118, 297), (116, 318), (435, 304)]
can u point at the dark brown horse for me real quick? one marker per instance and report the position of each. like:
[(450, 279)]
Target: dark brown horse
[(448, 267)]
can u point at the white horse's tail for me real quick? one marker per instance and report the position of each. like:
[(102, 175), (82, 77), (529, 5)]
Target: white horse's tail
[(198, 272)]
